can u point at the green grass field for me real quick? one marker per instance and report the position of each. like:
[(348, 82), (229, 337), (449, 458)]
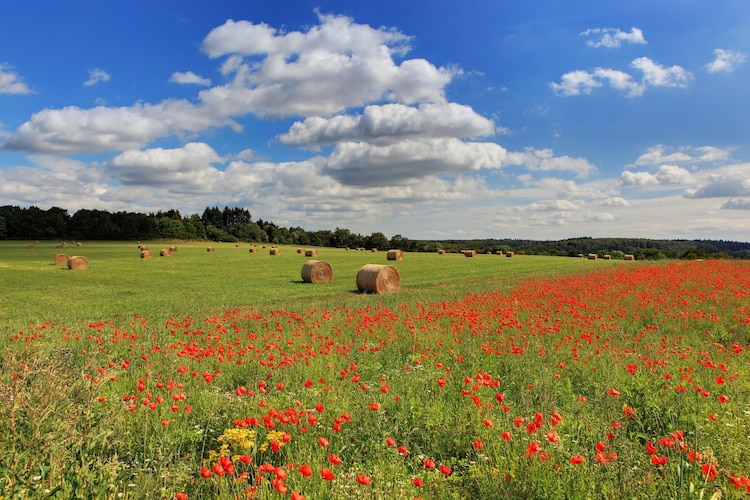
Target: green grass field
[(223, 375), (119, 284)]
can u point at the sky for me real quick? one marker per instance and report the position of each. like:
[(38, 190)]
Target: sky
[(433, 119)]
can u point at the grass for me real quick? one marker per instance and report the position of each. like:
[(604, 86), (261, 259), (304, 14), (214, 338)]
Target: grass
[(222, 375), (118, 284)]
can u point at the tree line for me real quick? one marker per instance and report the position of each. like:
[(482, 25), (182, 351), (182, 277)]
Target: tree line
[(236, 224)]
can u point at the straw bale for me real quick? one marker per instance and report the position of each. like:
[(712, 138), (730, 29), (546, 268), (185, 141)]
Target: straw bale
[(78, 262), (395, 255), (300, 250), (253, 250), (470, 253), (146, 254), (31, 246), (317, 271), (61, 259), (509, 254), (629, 256), (172, 249), (210, 249), (374, 278), (607, 257), (164, 252), (311, 253), (593, 256), (275, 251), (441, 252)]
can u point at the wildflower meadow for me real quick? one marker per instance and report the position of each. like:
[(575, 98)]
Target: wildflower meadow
[(627, 380)]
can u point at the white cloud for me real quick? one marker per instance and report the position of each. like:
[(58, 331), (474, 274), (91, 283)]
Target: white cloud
[(665, 176), (731, 183), (613, 38), (657, 75), (96, 75), (615, 201), (10, 82), (725, 61), (390, 122), (575, 83), (660, 154), (188, 169), (76, 130), (327, 69), (737, 204), (189, 77), (544, 160), (361, 164), (654, 75)]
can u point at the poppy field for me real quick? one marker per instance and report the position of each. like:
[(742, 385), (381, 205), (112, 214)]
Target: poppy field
[(607, 380)]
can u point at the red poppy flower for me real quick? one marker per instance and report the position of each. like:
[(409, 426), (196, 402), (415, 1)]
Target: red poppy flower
[(374, 406), (417, 482), (297, 496), (723, 399), (205, 472), (305, 470), (323, 442), (363, 479), (390, 442), (613, 392), (506, 436), (709, 471), (445, 469), (327, 474), (576, 460), (659, 460), (181, 496), (478, 445), (334, 459)]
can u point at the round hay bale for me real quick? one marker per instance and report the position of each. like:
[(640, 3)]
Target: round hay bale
[(311, 253), (78, 262), (253, 250), (164, 252), (317, 271), (395, 255), (61, 259), (374, 250), (172, 249), (509, 254), (210, 249), (146, 254), (441, 252), (275, 251), (31, 246), (470, 253), (300, 250), (78, 244), (375, 278)]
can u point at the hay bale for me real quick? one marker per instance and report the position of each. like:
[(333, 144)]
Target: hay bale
[(470, 253), (509, 254), (374, 278), (146, 254), (164, 252), (300, 250), (275, 251), (593, 256), (210, 249), (607, 257), (31, 246), (629, 256), (374, 250), (317, 271), (172, 249), (253, 250), (311, 253), (61, 259), (441, 252), (78, 262), (395, 255), (78, 244)]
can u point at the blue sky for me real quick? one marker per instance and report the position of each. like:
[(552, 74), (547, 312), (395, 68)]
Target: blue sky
[(430, 119)]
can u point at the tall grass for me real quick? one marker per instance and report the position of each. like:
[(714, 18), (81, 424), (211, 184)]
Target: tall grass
[(222, 375)]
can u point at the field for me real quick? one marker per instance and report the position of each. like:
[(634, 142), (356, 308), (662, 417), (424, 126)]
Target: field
[(223, 375)]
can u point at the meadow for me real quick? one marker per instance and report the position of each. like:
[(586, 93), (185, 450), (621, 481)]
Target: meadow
[(223, 375)]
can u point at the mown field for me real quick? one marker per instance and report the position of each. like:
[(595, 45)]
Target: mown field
[(223, 375)]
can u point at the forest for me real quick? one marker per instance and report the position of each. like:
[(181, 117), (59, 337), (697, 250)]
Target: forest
[(236, 224)]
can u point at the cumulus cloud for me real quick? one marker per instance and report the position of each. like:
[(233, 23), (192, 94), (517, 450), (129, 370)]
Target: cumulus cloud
[(612, 38), (188, 77), (186, 169), (654, 75), (362, 164), (544, 160), (721, 185), (10, 82), (76, 130), (725, 61), (666, 175), (660, 154), (737, 204), (331, 67), (96, 75), (391, 122)]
